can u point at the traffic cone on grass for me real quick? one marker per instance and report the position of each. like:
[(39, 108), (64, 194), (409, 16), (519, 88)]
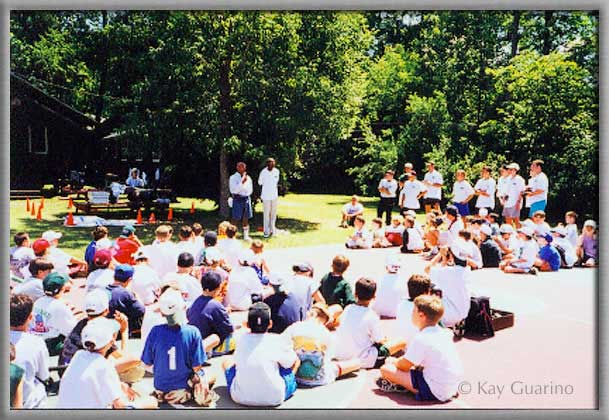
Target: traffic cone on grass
[(192, 208), (27, 204), (39, 215), (170, 215), (33, 212), (70, 203), (70, 221), (139, 217), (41, 202)]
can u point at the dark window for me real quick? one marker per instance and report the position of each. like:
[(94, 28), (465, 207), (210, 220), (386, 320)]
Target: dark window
[(38, 140)]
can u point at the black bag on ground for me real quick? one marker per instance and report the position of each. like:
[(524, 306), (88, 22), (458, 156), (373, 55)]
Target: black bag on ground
[(479, 321)]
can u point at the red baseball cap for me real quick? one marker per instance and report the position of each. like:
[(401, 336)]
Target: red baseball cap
[(40, 245), (102, 258)]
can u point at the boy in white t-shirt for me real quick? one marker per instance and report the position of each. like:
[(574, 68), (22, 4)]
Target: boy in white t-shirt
[(418, 284), (412, 239), (522, 260), (230, 247), (243, 282), (314, 345), (394, 231), (361, 237), (53, 319), (145, 283), (21, 256), (102, 275), (485, 190), (431, 367), (567, 252), (359, 333), (571, 226), (31, 353), (350, 211), (191, 287), (411, 193), (261, 372), (391, 289), (40, 268), (163, 253), (91, 381), (462, 194)]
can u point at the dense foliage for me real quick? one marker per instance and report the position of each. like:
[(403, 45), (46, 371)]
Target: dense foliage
[(336, 97)]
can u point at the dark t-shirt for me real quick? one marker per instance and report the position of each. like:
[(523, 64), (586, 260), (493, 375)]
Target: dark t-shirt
[(210, 317), (73, 343), (336, 290), (491, 253), (285, 310), (124, 301), (550, 254)]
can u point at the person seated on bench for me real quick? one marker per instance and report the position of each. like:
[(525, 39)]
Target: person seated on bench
[(134, 179)]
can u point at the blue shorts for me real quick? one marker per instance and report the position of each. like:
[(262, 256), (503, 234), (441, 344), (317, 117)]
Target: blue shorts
[(288, 377), (540, 205), (242, 208), (463, 208), (418, 382)]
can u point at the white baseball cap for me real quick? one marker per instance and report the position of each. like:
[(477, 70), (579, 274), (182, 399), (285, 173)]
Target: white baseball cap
[(411, 213), (527, 231), (51, 235), (171, 302), (486, 229), (514, 165), (393, 262), (561, 230), (588, 222), (96, 302), (528, 223), (99, 331), (505, 228), (483, 212), (247, 256)]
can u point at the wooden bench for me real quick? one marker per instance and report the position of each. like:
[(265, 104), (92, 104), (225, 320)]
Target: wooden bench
[(90, 208)]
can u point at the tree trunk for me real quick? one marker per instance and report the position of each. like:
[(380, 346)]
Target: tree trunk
[(103, 77), (225, 130), (547, 41), (514, 33)]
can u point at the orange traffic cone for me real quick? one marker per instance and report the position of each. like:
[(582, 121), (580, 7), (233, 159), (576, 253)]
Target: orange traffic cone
[(152, 219), (27, 204), (170, 215), (70, 203), (39, 215), (70, 221), (139, 217), (33, 212), (41, 202), (192, 208)]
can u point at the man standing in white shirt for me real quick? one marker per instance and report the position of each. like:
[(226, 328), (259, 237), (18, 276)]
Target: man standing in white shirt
[(537, 190), (412, 191), (268, 180), (502, 184), (388, 188), (241, 188), (485, 190), (513, 203), (433, 181), (462, 194)]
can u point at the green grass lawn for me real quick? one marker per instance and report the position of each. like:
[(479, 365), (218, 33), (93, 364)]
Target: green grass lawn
[(310, 219)]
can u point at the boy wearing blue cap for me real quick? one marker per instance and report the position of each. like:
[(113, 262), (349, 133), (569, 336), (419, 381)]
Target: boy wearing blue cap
[(548, 257), (123, 300)]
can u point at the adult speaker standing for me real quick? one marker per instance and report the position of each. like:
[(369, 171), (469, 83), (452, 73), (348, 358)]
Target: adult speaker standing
[(241, 188), (268, 180)]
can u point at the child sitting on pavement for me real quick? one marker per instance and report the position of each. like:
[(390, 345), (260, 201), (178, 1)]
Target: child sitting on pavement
[(394, 231), (359, 332), (361, 237), (335, 290), (587, 244), (548, 258), (522, 260), (412, 241), (314, 346), (430, 368), (261, 372), (418, 284), (378, 234), (391, 289)]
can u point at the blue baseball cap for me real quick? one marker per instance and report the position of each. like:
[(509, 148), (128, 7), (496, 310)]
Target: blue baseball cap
[(123, 272)]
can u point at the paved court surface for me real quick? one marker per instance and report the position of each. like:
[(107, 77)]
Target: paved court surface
[(547, 360)]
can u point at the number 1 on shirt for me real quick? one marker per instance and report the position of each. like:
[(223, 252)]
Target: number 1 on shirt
[(172, 358)]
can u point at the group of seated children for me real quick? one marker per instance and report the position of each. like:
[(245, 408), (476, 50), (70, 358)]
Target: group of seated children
[(533, 247)]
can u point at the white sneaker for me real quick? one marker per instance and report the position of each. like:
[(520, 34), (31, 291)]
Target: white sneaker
[(247, 238)]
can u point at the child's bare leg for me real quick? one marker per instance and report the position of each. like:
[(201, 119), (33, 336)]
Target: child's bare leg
[(335, 312), (210, 342), (390, 372), (510, 269), (228, 363), (347, 366)]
